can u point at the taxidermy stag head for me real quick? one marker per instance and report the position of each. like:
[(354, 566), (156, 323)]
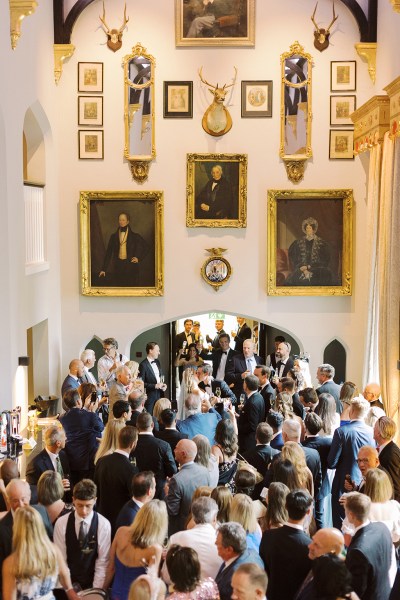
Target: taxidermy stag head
[(217, 120), (321, 36), (114, 36)]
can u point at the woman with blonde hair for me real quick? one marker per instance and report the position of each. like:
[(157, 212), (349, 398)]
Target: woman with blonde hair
[(133, 367), (223, 497), (35, 565), (136, 547), (294, 453), (109, 441), (347, 392), (206, 459), (50, 492), (283, 404), (242, 512), (383, 508), (202, 490), (160, 405)]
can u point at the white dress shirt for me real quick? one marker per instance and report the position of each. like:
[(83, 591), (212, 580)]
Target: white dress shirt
[(103, 542), (220, 374), (155, 368), (103, 368)]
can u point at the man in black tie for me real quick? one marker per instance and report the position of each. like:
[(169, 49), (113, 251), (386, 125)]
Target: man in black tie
[(266, 390), (253, 413), (221, 357), (219, 326), (184, 336), (285, 362), (272, 358), (243, 333), (153, 378)]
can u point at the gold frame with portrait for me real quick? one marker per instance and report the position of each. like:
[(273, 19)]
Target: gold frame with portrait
[(332, 210), (97, 213), (225, 25), (198, 168)]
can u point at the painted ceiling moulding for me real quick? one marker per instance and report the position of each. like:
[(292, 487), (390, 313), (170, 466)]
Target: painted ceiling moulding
[(366, 48), (393, 91), (371, 121), (19, 9)]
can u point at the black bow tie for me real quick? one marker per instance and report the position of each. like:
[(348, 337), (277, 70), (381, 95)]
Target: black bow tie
[(153, 362), (123, 228), (224, 352)]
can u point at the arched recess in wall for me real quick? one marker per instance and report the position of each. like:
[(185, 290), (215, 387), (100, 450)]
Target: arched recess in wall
[(335, 354)]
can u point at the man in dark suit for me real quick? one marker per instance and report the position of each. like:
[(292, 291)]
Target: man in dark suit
[(221, 358), (143, 490), (82, 428), (261, 456), (113, 477), (241, 366), (153, 378), (215, 200), (169, 432), (285, 361), (243, 333), (275, 420), (272, 359), (219, 326), (184, 336), (125, 252), (179, 490), (137, 404), (197, 422), (369, 554), (252, 413), (313, 424), (73, 379), (210, 385), (389, 452), (232, 548), (284, 550), (347, 440), (51, 458), (153, 454), (325, 375), (266, 390), (291, 432)]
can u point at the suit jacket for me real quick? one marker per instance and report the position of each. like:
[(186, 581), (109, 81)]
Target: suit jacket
[(322, 445), (41, 463), (219, 200), (69, 383), (314, 464), (149, 379), (127, 514), (233, 372), (368, 560), (82, 429), (224, 575), (204, 423), (153, 454), (172, 436), (268, 393), (134, 417), (136, 246), (226, 391), (389, 459), (252, 414), (244, 333), (284, 552), (330, 387), (288, 365), (179, 497), (260, 457), (179, 339), (216, 356), (113, 476)]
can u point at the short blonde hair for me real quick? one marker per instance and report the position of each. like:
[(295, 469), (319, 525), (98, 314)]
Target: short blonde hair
[(150, 525), (242, 511), (50, 488), (378, 486), (133, 367), (159, 406), (386, 427)]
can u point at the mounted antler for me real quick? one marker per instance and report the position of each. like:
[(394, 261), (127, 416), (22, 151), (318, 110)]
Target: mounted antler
[(114, 36), (321, 36), (217, 120)]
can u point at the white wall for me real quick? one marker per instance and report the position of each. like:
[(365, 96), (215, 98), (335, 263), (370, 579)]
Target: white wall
[(28, 76)]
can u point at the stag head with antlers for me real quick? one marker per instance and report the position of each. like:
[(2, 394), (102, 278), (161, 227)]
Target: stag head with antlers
[(321, 36), (114, 36), (217, 120)]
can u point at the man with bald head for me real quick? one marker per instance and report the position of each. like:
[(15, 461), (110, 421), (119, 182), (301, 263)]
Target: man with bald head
[(73, 379), (179, 490), (18, 494), (242, 365), (372, 394), (367, 458), (325, 541)]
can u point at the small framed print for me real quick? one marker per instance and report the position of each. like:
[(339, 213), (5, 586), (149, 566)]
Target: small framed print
[(341, 143), (343, 76), (256, 99), (90, 77), (178, 99), (91, 144), (341, 109), (90, 110)]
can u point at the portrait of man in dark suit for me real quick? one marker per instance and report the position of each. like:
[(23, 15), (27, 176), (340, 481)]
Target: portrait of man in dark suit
[(216, 190)]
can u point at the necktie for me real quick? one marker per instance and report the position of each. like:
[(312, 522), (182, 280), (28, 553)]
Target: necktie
[(82, 534), (59, 467), (249, 366)]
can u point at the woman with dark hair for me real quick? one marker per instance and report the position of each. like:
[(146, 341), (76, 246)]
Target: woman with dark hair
[(284, 471), (184, 570), (225, 451), (326, 409), (276, 514), (332, 579), (192, 357), (85, 391)]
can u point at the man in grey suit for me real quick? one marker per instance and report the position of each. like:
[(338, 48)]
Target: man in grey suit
[(179, 490), (325, 375)]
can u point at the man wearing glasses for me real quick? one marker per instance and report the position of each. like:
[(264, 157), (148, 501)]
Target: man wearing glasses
[(109, 363)]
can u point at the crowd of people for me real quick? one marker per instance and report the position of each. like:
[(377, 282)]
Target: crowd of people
[(255, 486)]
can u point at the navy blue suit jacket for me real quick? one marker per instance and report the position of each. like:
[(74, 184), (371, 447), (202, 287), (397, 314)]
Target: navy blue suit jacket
[(224, 576), (82, 429), (69, 383), (323, 446), (332, 388), (233, 372), (41, 463), (127, 514)]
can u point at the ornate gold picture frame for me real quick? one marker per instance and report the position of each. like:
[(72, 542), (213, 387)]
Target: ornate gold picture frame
[(310, 242), (215, 23), (122, 243), (216, 190)]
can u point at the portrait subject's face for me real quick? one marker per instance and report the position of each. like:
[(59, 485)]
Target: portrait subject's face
[(216, 173), (123, 220)]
